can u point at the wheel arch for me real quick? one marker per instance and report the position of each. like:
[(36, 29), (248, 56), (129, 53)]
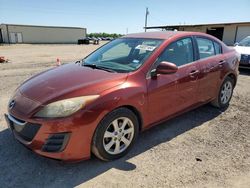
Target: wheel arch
[(232, 76), (136, 112), (130, 107), (94, 143)]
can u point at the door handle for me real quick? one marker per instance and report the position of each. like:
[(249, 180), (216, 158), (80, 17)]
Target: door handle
[(193, 73), (221, 62)]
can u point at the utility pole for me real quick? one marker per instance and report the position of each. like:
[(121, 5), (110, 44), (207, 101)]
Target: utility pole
[(146, 19)]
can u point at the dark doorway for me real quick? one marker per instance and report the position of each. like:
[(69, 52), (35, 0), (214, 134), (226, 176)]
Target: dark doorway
[(216, 32), (1, 37)]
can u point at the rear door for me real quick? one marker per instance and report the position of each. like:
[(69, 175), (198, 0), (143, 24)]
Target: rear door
[(211, 63), (172, 93)]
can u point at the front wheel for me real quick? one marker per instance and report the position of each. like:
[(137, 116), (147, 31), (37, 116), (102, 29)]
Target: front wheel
[(115, 134), (225, 93)]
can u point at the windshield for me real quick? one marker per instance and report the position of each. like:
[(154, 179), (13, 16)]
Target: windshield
[(122, 55), (245, 42)]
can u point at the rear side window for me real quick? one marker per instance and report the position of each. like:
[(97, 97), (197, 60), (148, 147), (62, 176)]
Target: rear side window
[(179, 52), (217, 48), (206, 47)]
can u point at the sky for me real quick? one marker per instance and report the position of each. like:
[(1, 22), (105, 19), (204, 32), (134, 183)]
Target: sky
[(117, 16)]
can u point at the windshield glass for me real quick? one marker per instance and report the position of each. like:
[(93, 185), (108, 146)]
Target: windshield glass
[(245, 42), (123, 55)]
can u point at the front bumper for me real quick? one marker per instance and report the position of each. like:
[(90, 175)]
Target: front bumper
[(23, 130), (67, 139)]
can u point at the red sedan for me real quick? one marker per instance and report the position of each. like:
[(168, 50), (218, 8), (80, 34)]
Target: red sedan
[(99, 104)]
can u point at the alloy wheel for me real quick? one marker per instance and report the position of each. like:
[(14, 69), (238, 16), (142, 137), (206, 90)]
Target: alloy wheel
[(118, 135), (226, 92)]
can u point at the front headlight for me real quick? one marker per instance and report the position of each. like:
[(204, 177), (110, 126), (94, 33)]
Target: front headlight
[(65, 107)]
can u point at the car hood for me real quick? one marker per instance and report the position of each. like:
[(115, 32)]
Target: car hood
[(242, 49), (70, 80)]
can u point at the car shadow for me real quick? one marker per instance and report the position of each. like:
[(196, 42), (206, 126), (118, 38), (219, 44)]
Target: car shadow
[(21, 167)]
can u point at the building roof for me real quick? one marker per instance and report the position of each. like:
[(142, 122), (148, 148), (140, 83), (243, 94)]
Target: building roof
[(197, 25), (43, 26)]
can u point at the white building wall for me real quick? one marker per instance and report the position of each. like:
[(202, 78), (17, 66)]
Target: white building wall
[(242, 32), (42, 34), (229, 34), (4, 33), (194, 29)]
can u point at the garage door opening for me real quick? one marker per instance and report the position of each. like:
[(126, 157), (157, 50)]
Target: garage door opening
[(216, 32), (16, 38), (1, 36)]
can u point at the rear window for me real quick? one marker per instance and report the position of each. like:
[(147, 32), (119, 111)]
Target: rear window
[(206, 48)]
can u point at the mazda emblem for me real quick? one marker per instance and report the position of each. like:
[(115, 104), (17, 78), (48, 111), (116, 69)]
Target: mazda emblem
[(11, 104)]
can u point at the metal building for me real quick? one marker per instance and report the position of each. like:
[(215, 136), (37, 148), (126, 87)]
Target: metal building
[(10, 33), (229, 33)]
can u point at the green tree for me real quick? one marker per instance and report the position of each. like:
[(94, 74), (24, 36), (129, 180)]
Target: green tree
[(114, 35)]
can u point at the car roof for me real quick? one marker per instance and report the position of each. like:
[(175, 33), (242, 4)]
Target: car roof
[(163, 34)]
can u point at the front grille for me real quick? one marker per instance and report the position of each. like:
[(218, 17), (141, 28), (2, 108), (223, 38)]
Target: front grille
[(25, 130), (56, 142)]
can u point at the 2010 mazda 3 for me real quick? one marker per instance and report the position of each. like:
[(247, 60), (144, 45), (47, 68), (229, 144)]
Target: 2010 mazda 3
[(99, 104)]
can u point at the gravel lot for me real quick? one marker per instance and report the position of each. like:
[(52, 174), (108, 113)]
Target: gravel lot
[(202, 148)]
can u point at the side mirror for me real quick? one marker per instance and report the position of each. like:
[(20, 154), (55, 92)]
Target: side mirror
[(236, 44), (164, 68)]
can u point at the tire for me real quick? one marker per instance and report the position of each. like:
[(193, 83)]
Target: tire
[(115, 134), (225, 94)]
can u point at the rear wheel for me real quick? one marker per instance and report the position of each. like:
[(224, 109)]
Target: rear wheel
[(115, 134), (225, 93)]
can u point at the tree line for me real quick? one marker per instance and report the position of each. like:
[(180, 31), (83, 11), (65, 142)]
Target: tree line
[(113, 35)]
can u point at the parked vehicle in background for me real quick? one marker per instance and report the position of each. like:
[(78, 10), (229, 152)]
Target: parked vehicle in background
[(109, 38), (99, 105), (89, 40), (83, 41), (243, 48)]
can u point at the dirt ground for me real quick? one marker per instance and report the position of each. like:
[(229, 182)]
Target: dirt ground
[(202, 148)]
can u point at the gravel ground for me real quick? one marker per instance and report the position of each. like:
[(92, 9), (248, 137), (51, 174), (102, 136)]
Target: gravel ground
[(202, 148)]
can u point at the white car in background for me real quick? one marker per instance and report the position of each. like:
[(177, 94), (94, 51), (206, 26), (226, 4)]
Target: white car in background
[(243, 48)]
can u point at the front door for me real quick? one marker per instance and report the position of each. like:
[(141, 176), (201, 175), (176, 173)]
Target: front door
[(169, 94)]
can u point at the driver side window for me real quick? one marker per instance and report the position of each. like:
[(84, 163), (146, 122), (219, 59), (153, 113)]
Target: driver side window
[(179, 52)]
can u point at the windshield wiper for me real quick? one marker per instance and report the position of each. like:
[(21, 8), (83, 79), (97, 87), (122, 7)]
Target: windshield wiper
[(94, 66), (90, 65)]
